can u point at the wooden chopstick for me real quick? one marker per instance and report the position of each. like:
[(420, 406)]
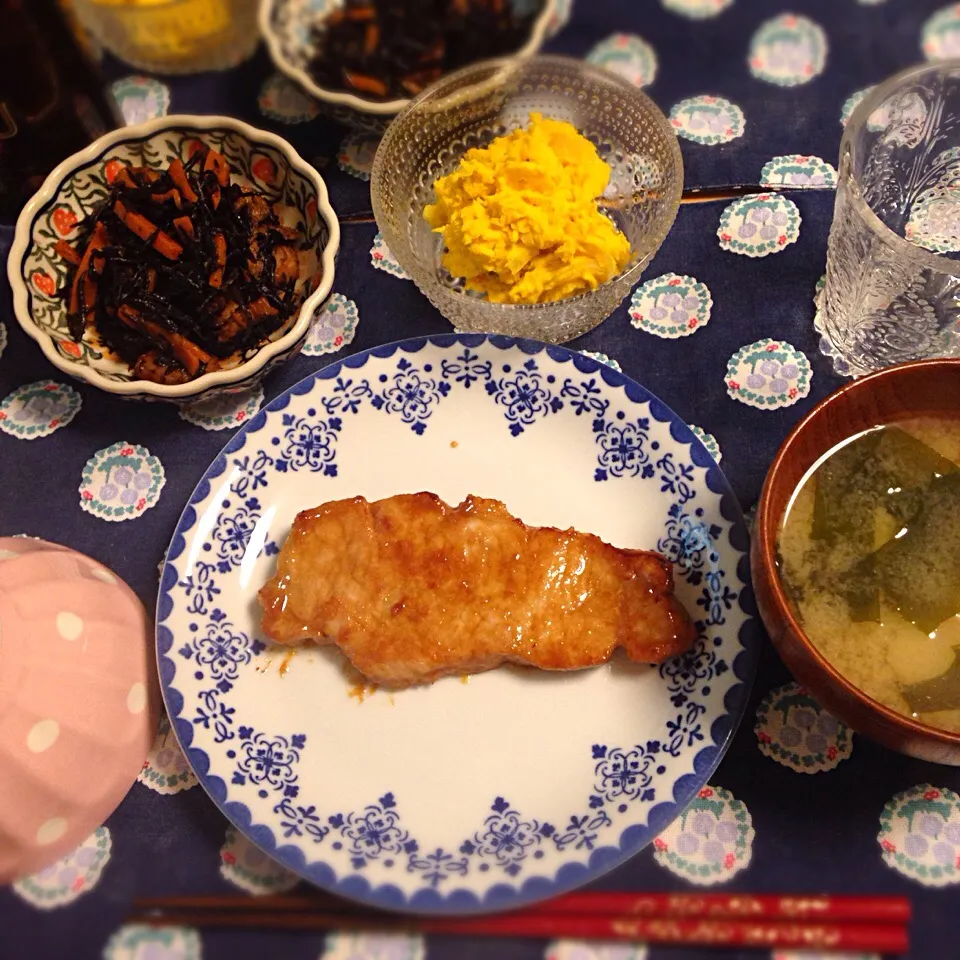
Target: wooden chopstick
[(715, 906), (759, 934)]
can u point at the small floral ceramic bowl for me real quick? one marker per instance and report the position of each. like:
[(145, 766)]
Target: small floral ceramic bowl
[(263, 160), (286, 26)]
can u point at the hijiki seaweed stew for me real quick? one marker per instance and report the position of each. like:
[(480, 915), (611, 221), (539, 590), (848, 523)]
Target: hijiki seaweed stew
[(869, 557)]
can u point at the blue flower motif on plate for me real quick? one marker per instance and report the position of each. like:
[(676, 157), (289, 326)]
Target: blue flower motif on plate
[(692, 671), (412, 393), (221, 649), (374, 831), (623, 448), (309, 444), (524, 394), (506, 837), (269, 760), (624, 775)]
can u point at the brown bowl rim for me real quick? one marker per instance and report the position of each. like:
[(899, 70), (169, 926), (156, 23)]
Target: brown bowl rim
[(767, 528)]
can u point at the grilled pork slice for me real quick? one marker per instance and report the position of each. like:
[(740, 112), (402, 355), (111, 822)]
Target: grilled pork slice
[(412, 589)]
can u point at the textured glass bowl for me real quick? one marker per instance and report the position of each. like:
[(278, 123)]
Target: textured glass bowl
[(470, 108)]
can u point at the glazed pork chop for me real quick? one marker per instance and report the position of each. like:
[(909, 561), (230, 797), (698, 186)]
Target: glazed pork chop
[(412, 589)]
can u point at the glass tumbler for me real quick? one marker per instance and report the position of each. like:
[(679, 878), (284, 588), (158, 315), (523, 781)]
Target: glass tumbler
[(892, 291)]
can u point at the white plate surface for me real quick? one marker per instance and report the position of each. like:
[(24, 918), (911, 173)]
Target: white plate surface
[(514, 785)]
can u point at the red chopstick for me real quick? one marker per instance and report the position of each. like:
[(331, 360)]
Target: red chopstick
[(690, 906), (865, 924), (759, 934)]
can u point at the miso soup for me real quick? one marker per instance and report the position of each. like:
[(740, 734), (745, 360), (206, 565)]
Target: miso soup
[(869, 556)]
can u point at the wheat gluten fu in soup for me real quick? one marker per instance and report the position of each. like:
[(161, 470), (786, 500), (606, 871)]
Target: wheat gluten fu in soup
[(869, 556)]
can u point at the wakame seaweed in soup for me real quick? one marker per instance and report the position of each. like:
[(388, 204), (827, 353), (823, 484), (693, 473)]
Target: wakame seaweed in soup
[(869, 554)]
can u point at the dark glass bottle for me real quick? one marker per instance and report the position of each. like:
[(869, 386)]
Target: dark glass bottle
[(52, 98)]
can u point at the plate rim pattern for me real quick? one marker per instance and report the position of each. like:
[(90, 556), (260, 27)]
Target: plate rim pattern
[(603, 858)]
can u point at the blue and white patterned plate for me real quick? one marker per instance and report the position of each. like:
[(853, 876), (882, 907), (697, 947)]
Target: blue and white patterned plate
[(513, 785)]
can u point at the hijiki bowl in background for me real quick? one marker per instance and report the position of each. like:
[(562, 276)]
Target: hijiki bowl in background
[(472, 107), (925, 388), (286, 27), (263, 160)]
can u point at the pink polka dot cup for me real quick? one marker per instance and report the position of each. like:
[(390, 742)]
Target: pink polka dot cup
[(78, 700)]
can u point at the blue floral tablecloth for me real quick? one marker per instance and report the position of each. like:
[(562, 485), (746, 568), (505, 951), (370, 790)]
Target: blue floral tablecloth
[(721, 327)]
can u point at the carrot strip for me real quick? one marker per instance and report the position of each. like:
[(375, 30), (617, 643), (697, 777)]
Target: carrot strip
[(125, 178), (173, 195), (90, 281), (67, 252), (191, 356), (98, 241), (220, 248), (162, 242), (360, 81), (179, 176), (185, 226), (217, 162)]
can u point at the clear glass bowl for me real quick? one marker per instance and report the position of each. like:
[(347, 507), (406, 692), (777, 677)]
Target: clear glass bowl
[(173, 36), (470, 108)]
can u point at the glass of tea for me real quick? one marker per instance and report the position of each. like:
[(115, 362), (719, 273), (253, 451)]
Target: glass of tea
[(892, 290)]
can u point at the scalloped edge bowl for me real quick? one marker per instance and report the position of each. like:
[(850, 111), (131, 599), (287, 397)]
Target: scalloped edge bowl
[(386, 109), (209, 384)]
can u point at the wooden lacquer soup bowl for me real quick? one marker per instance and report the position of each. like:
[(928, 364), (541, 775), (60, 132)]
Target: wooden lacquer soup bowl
[(925, 388)]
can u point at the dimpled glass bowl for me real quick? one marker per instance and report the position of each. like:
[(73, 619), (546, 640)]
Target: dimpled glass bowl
[(470, 108)]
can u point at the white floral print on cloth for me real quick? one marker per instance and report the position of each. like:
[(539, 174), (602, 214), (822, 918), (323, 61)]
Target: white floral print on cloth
[(759, 225), (70, 877), (282, 100), (920, 835), (627, 55), (560, 17), (121, 481), (818, 289), (768, 374), (248, 867), (710, 841), (590, 950), (788, 50), (671, 306), (166, 769), (356, 154), (793, 729), (334, 326), (141, 98), (383, 259), (38, 409), (851, 104), (223, 412), (135, 941), (696, 9), (940, 35), (373, 946), (709, 441), (797, 170), (707, 119), (602, 358)]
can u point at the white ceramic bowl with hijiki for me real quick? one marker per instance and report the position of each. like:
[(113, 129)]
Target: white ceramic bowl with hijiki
[(287, 28), (259, 159)]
